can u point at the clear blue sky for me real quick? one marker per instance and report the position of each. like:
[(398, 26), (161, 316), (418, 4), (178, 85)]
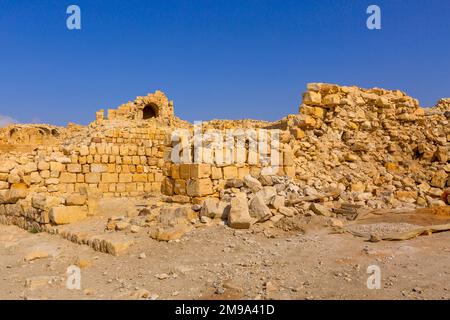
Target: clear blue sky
[(216, 58)]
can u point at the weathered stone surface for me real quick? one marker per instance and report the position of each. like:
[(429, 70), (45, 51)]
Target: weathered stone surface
[(288, 212), (277, 202), (234, 183), (64, 215), (312, 98), (252, 183), (171, 233), (201, 170), (6, 166), (76, 199), (239, 216), (118, 246), (11, 196), (199, 187), (320, 210), (214, 208), (267, 193), (45, 202), (258, 209), (439, 180)]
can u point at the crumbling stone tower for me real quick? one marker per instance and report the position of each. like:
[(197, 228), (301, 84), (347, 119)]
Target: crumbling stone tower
[(152, 106)]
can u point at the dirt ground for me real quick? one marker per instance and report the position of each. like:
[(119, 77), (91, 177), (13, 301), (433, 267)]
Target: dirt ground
[(217, 262)]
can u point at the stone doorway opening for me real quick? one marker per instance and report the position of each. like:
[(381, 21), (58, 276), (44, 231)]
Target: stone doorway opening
[(150, 111)]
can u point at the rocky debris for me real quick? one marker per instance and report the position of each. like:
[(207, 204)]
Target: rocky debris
[(378, 230)]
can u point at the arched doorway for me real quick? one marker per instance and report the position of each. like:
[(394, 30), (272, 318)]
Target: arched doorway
[(149, 111)]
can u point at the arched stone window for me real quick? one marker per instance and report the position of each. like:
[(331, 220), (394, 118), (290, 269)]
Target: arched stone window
[(150, 111)]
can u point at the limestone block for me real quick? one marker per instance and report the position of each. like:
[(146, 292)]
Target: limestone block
[(11, 196), (230, 172), (45, 174), (51, 181), (74, 168), (252, 183), (185, 171), (312, 98), (67, 177), (35, 178), (299, 133), (179, 187), (216, 173), (64, 215), (29, 167), (92, 177), (57, 166), (307, 122), (258, 209), (199, 187), (125, 177), (6, 166), (320, 210), (331, 100), (84, 150), (76, 199), (242, 172), (239, 216), (214, 208), (110, 177), (44, 203), (200, 170), (139, 177), (439, 179)]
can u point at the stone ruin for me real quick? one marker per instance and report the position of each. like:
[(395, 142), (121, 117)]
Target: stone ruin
[(347, 148)]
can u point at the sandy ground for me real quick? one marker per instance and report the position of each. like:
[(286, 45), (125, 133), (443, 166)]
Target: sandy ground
[(217, 262)]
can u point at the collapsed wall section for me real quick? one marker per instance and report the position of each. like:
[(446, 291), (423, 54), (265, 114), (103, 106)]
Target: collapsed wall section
[(203, 163)]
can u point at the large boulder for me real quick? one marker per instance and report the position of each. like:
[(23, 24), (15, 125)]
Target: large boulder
[(239, 216)]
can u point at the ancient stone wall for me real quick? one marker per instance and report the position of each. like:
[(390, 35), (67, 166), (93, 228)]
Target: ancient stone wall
[(53, 184), (377, 147)]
